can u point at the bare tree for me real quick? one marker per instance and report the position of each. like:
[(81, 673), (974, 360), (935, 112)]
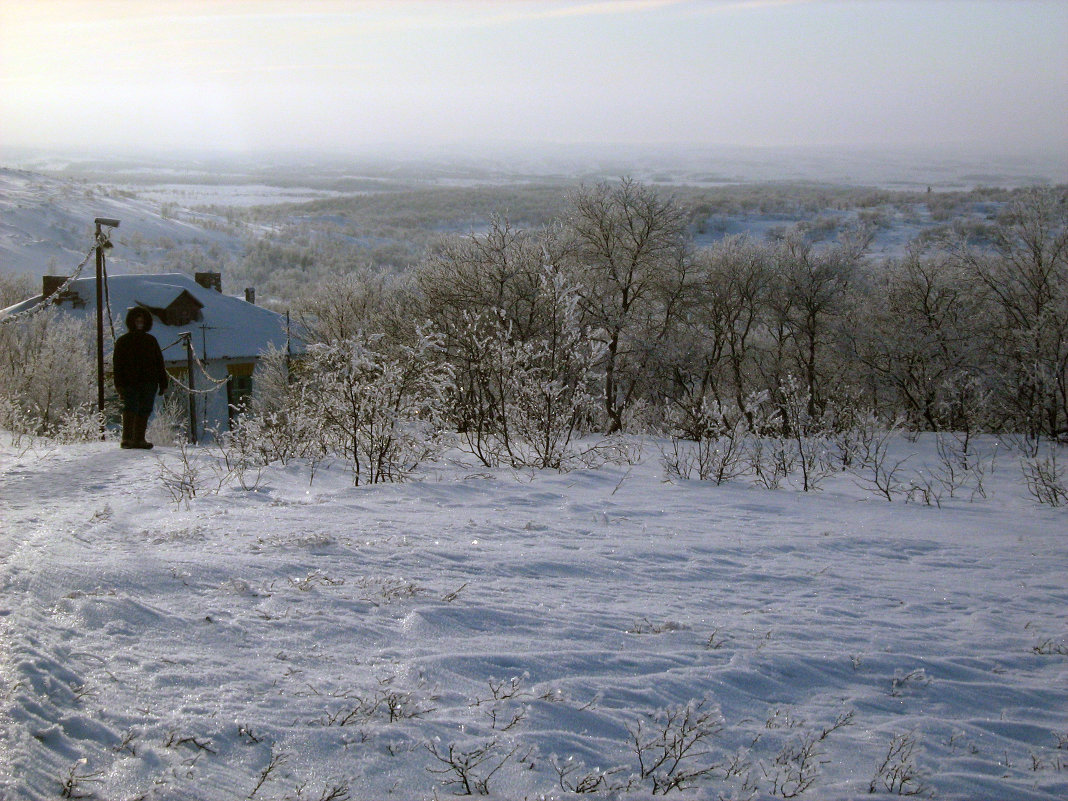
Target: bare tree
[(810, 291), (629, 254), (727, 307), (917, 331), (15, 287), (1024, 276), (345, 305)]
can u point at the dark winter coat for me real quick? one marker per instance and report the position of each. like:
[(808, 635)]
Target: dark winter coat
[(138, 359)]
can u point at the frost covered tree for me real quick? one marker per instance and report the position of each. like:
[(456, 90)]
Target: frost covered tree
[(47, 372), (628, 252), (345, 304), (14, 287), (1024, 278), (725, 310), (523, 361), (500, 271), (918, 333), (810, 291)]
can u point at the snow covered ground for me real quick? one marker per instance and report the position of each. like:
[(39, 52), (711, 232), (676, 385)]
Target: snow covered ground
[(46, 225), (530, 634)]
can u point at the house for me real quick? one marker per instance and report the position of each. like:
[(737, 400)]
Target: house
[(227, 335)]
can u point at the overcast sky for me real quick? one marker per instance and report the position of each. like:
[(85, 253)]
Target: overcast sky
[(253, 75)]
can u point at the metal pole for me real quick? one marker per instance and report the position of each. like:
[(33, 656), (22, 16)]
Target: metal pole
[(101, 243), (100, 327)]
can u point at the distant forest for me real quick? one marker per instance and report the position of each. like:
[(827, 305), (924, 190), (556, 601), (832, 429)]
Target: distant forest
[(289, 246)]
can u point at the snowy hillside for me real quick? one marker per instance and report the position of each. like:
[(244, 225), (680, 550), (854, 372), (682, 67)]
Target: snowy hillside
[(46, 225), (254, 220), (530, 635)]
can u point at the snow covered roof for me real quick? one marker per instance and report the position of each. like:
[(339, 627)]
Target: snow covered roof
[(228, 328)]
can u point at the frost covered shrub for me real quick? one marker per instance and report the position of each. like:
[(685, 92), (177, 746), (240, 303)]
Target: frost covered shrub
[(672, 747), (806, 432), (278, 435), (524, 402), (548, 399), (547, 391), (15, 422), (170, 420), (874, 469), (79, 424), (381, 409), (48, 376), (282, 422), (1046, 477), (555, 372), (708, 441), (718, 442), (771, 459), (481, 355), (378, 407)]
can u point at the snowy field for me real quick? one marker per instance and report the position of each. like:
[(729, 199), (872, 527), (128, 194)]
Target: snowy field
[(522, 635)]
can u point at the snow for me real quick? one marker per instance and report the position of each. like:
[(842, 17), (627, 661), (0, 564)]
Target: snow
[(305, 635), (46, 225)]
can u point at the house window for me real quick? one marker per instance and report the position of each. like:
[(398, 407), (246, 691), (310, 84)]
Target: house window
[(238, 388), (177, 317)]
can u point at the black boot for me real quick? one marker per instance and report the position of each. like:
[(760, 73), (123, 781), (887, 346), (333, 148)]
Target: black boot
[(128, 429), (139, 433)]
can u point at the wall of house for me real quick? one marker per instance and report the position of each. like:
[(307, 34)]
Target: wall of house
[(213, 407)]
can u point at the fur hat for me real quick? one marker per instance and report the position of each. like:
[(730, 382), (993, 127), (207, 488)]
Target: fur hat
[(138, 311)]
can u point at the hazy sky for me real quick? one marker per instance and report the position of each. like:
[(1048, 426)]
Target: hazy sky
[(250, 75)]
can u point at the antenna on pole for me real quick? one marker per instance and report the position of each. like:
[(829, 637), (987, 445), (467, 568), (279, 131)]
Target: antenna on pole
[(102, 244)]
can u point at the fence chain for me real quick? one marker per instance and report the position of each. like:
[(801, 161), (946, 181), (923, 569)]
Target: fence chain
[(216, 381), (47, 303)]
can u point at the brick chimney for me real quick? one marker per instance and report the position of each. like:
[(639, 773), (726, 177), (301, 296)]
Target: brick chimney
[(50, 283), (250, 295), (209, 280)]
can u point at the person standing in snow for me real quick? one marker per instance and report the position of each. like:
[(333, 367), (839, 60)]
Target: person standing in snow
[(139, 373)]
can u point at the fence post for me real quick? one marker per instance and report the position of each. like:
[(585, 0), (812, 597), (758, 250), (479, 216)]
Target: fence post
[(188, 337)]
